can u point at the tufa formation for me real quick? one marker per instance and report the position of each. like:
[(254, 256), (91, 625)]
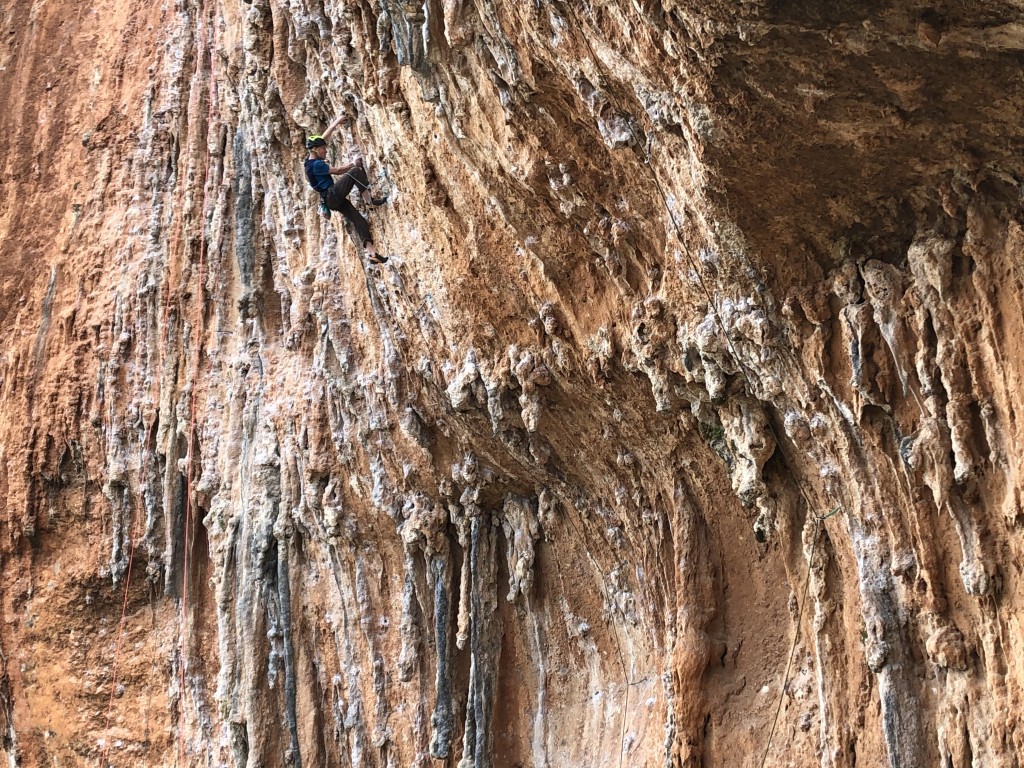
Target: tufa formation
[(680, 428)]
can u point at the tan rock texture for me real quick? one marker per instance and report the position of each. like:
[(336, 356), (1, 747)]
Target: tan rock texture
[(680, 429)]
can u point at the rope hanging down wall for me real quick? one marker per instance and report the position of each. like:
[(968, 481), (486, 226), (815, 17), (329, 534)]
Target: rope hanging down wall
[(206, 46), (818, 520)]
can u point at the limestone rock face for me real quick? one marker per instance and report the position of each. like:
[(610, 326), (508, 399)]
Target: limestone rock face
[(680, 429)]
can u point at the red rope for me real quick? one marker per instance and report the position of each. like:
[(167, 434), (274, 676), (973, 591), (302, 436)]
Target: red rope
[(161, 349), (196, 345), (117, 648), (147, 449)]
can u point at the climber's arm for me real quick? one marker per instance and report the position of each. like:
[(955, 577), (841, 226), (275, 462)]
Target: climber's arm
[(331, 128)]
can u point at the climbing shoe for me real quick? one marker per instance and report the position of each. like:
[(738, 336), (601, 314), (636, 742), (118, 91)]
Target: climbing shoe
[(375, 201), (325, 211)]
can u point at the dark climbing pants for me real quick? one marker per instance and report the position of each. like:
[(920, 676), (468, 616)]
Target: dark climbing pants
[(337, 200)]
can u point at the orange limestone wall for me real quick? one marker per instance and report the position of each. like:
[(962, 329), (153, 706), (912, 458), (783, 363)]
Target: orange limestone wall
[(680, 428)]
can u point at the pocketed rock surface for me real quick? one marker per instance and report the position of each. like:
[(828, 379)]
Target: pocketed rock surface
[(680, 429)]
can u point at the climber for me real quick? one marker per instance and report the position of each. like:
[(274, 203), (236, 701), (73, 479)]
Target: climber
[(334, 196)]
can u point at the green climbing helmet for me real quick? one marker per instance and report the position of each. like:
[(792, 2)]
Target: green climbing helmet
[(315, 141)]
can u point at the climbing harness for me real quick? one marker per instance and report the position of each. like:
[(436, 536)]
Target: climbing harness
[(325, 211)]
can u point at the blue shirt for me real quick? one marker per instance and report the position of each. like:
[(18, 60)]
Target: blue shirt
[(318, 174)]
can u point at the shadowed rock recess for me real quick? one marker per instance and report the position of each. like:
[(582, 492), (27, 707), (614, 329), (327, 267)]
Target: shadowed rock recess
[(681, 428)]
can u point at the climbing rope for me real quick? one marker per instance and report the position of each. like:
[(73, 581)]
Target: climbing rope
[(618, 644), (148, 446), (117, 646), (818, 520), (359, 183), (200, 307)]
